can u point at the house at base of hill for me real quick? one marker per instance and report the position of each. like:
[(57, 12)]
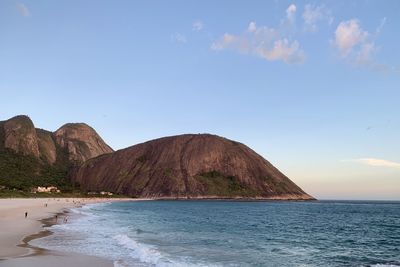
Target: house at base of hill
[(46, 189)]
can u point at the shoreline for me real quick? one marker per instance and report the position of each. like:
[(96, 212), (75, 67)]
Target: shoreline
[(46, 222), (220, 198), (16, 231)]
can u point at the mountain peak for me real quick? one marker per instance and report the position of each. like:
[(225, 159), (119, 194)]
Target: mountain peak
[(187, 166), (80, 141), (20, 135)]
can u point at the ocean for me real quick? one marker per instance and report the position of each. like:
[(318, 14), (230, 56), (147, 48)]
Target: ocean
[(232, 233)]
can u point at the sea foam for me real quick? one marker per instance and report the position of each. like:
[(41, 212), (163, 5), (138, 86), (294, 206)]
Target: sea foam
[(144, 253), (384, 265), (176, 233), (149, 254)]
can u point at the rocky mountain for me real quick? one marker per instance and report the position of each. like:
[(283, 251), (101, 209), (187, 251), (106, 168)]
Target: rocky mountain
[(184, 166), (20, 136), (78, 141), (81, 142), (187, 166), (31, 156)]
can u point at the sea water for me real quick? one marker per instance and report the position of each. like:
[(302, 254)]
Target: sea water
[(231, 233)]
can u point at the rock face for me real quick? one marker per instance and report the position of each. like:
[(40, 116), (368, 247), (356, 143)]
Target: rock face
[(187, 166), (47, 146), (77, 142), (20, 136), (31, 157), (81, 142)]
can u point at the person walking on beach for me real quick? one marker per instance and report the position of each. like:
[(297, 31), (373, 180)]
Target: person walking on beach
[(26, 214)]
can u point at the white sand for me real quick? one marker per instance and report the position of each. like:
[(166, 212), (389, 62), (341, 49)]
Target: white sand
[(14, 227), (57, 260)]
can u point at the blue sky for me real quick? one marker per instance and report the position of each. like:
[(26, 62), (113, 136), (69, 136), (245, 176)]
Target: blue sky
[(313, 86)]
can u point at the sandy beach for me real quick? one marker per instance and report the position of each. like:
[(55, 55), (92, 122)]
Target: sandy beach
[(15, 229)]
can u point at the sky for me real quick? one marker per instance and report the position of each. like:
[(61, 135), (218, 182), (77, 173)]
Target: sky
[(312, 86)]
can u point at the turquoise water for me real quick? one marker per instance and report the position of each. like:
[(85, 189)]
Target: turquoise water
[(227, 233)]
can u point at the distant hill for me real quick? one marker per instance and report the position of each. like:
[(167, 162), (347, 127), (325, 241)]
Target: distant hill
[(187, 166), (184, 166), (31, 156)]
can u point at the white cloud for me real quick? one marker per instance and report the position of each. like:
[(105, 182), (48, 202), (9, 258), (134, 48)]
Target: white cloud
[(23, 10), (313, 14), (349, 35), (283, 50), (179, 38), (357, 46), (378, 162), (197, 25), (224, 42), (291, 13), (252, 27), (267, 43)]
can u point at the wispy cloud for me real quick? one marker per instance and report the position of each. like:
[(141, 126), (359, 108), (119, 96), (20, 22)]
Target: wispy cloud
[(252, 27), (378, 162), (23, 9), (357, 46), (314, 14), (291, 13), (178, 38), (198, 25), (380, 27), (348, 36), (265, 42)]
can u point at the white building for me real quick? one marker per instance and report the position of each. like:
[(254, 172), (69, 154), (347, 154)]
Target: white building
[(106, 193), (46, 189)]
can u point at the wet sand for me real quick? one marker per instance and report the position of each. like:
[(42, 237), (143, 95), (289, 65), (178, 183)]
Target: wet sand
[(16, 231)]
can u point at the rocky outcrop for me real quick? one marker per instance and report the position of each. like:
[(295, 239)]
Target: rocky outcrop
[(47, 146), (31, 157), (73, 143), (20, 136), (187, 166), (184, 166), (81, 142)]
